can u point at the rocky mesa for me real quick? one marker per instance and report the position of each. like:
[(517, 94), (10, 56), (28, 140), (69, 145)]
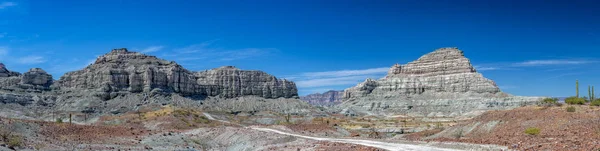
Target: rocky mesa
[(442, 83), (123, 81), (329, 98)]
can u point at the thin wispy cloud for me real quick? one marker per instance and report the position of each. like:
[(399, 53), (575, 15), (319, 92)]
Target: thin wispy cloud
[(325, 82), (208, 51), (553, 62), (31, 60), (341, 73), (335, 80), (4, 5), (152, 49), (564, 75), (481, 68)]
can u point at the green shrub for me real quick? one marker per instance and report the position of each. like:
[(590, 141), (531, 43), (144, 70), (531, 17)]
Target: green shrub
[(574, 100), (532, 131), (595, 102), (550, 100), (59, 120), (570, 109), (15, 141)]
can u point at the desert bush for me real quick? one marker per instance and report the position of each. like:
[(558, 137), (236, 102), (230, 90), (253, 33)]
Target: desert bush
[(532, 131), (570, 109), (14, 141), (459, 134), (59, 120), (574, 100), (595, 102), (550, 101)]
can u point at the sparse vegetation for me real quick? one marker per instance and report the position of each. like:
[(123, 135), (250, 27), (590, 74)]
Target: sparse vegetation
[(549, 102), (11, 140), (14, 141), (532, 131), (570, 109), (575, 100), (595, 102), (459, 134)]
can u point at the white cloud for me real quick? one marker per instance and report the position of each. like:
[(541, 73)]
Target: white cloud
[(31, 60), (152, 49), (325, 82), (553, 62), (207, 50), (486, 68), (339, 79), (245, 53), (564, 75), (4, 5), (347, 72)]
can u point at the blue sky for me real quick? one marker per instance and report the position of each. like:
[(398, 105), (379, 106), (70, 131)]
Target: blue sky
[(533, 48)]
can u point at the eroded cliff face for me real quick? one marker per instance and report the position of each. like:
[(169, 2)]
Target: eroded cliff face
[(124, 81), (232, 82), (440, 83), (328, 98), (122, 70)]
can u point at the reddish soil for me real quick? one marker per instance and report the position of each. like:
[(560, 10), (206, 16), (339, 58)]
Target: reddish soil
[(559, 129)]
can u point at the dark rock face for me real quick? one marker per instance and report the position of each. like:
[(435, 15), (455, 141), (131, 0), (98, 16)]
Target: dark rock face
[(122, 70), (440, 83), (37, 77), (6, 73), (328, 98)]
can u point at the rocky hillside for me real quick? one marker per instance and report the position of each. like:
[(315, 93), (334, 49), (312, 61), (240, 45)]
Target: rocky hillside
[(122, 70), (328, 98), (123, 81), (440, 83)]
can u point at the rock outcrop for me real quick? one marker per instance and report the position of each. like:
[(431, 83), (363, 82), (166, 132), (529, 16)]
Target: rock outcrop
[(122, 81), (232, 82), (440, 83), (122, 70), (37, 77), (328, 98), (6, 73)]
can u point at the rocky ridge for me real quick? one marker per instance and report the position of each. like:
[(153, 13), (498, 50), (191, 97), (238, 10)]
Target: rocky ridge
[(328, 98), (442, 83), (123, 81)]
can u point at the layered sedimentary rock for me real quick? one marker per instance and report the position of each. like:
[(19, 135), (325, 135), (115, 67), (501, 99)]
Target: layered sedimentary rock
[(122, 70), (440, 83), (123, 81), (35, 79), (232, 82), (328, 98)]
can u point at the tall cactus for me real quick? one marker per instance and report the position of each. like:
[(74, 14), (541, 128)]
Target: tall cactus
[(590, 93), (577, 88), (593, 95)]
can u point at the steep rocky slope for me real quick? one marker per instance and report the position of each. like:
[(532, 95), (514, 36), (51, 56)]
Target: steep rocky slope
[(123, 81), (440, 83), (328, 98), (558, 129)]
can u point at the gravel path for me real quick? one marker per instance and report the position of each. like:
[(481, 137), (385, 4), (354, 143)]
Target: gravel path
[(370, 143)]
